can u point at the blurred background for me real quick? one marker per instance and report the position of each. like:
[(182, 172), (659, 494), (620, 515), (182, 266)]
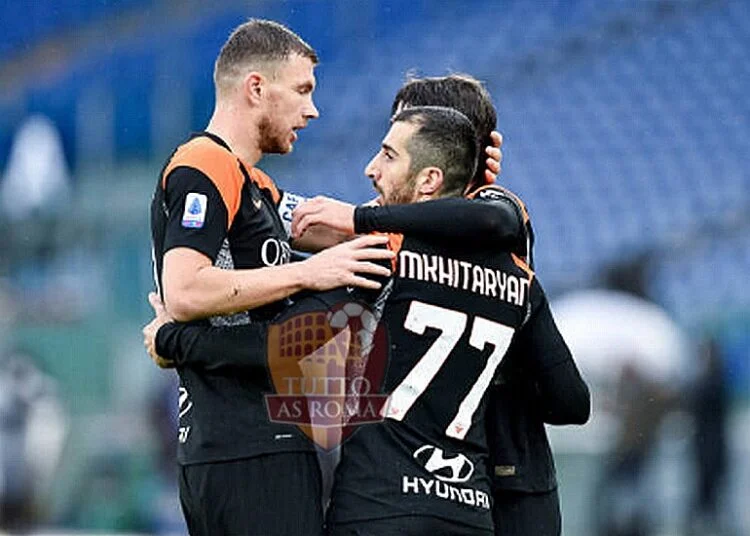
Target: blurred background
[(627, 128)]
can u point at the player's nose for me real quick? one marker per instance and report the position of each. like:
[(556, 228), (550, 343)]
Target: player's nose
[(371, 170), (311, 111)]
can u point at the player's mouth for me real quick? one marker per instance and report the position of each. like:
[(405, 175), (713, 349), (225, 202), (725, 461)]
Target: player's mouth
[(379, 198), (295, 135)]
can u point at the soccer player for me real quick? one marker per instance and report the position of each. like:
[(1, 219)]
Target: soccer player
[(445, 417), (221, 253), (528, 392)]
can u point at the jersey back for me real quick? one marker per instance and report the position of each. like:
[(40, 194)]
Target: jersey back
[(450, 317)]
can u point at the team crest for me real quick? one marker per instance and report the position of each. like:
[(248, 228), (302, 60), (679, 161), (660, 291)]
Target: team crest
[(327, 369)]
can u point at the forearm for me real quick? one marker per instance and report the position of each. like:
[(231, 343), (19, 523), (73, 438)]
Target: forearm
[(319, 237), (211, 348), (561, 395), (564, 396), (215, 291), (448, 219)]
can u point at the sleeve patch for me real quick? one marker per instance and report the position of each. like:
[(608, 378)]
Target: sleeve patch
[(194, 215)]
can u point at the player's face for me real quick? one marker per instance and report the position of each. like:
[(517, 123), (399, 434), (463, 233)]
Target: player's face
[(290, 104), (389, 168)]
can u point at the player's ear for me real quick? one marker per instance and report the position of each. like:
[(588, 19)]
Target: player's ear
[(253, 86), (429, 182)]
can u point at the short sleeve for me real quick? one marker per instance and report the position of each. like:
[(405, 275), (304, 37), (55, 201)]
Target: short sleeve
[(197, 217)]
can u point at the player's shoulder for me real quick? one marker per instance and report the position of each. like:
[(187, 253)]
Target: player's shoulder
[(207, 157), (495, 192), (264, 181)]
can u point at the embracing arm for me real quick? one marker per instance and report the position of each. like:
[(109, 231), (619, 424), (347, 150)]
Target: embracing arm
[(563, 395), (454, 219), (206, 347), (194, 288)]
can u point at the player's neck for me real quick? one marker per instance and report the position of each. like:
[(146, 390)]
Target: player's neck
[(238, 131)]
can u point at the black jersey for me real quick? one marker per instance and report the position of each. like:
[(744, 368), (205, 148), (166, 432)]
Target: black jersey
[(451, 315), (209, 201)]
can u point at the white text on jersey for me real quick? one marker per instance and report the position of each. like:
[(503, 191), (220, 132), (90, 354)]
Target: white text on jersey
[(464, 275)]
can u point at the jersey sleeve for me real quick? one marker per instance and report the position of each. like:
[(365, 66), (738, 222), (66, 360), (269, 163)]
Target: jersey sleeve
[(201, 346), (524, 247), (455, 220), (207, 347), (562, 395), (197, 216)]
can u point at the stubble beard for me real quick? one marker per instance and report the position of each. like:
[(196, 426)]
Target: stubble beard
[(270, 140), (403, 195)]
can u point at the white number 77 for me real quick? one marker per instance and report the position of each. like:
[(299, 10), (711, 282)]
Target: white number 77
[(451, 324)]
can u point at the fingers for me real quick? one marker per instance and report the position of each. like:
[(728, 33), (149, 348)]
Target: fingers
[(372, 268), (494, 158), (372, 254), (149, 342), (302, 223), (363, 282), (302, 217), (367, 241), (493, 165), (494, 153), (155, 301), (497, 139)]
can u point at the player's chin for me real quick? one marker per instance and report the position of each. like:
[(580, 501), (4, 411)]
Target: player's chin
[(289, 145), (284, 148)]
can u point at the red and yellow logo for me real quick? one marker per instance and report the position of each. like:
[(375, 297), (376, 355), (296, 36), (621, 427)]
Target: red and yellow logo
[(327, 369)]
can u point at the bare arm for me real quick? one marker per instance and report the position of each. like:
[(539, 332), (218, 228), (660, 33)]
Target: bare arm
[(193, 288), (319, 237)]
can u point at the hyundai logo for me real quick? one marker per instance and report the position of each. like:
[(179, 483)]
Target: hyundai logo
[(456, 468)]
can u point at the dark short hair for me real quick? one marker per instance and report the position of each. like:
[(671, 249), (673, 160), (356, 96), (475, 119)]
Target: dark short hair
[(446, 139), (258, 42), (461, 92)]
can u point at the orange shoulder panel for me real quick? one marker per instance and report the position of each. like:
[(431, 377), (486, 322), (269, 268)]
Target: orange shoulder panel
[(216, 163), (264, 181), (523, 266), (395, 241)]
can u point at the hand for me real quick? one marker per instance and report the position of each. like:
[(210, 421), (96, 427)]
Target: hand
[(495, 157), (149, 331), (323, 211), (338, 266)]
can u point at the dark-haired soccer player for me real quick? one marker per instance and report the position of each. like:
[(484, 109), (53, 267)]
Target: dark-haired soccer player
[(528, 392)]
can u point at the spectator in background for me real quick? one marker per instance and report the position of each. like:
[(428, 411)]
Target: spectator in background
[(709, 407), (36, 180), (637, 358), (31, 437)]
